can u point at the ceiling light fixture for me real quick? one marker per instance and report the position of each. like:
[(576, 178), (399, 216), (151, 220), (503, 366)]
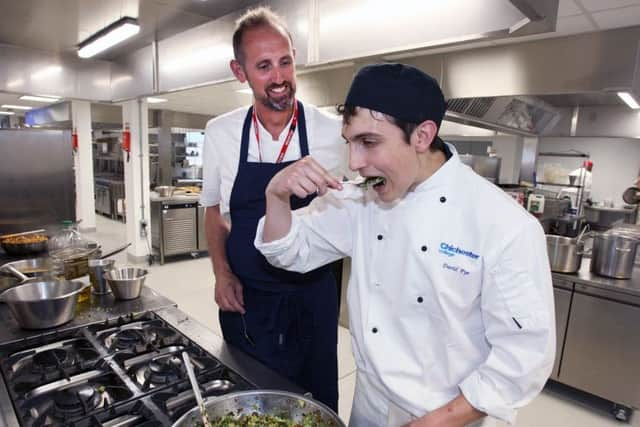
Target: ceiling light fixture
[(16, 107), (39, 98), (629, 99), (7, 113), (109, 36), (247, 91), (152, 100)]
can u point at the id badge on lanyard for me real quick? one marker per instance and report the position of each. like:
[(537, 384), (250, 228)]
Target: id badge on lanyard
[(287, 140)]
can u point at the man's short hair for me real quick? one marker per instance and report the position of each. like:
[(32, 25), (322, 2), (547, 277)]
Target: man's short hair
[(256, 18)]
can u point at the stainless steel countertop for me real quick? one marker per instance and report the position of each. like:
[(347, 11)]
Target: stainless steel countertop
[(97, 309), (180, 198), (621, 209), (586, 277)]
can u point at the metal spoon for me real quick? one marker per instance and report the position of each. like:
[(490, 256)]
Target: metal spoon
[(115, 251), (586, 227), (24, 233), (17, 273), (196, 389), (246, 334)]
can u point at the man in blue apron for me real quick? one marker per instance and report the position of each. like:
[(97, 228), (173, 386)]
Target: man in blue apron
[(288, 321)]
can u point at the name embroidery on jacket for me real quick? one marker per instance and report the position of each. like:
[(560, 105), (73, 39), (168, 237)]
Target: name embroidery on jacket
[(451, 250)]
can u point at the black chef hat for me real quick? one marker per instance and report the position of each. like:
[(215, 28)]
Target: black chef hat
[(402, 91)]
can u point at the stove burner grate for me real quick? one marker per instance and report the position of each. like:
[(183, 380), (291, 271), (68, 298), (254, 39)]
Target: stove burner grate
[(75, 401)]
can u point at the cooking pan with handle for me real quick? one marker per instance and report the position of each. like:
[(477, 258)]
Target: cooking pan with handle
[(22, 245), (262, 402)]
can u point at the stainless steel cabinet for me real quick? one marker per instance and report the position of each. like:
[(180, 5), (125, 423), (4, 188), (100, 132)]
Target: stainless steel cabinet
[(103, 199), (173, 228), (602, 346), (562, 298)]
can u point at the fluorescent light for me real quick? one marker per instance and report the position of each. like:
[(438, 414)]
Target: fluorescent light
[(7, 113), (247, 91), (152, 100), (39, 98), (629, 99), (109, 36), (16, 107)]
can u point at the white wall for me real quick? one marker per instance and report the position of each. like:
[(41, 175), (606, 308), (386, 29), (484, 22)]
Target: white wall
[(616, 162)]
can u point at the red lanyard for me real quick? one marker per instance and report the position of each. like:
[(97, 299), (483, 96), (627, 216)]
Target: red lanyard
[(287, 140)]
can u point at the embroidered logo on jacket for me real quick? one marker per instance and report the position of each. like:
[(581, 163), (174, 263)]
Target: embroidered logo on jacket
[(451, 250)]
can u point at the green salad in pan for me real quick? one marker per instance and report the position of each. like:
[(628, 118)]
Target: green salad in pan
[(313, 419)]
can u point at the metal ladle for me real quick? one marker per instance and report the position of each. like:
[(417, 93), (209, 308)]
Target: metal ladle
[(115, 251), (196, 389), (586, 227)]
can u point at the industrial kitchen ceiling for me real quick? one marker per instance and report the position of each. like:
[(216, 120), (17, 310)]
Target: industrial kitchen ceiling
[(59, 25)]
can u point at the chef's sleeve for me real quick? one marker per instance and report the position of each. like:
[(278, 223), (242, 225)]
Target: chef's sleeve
[(519, 320), (320, 233), (210, 194)]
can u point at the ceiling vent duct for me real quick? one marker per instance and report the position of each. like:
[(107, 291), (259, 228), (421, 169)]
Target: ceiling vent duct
[(517, 114)]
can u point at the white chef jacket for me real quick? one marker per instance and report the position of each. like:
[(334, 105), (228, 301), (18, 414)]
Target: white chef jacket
[(221, 150), (450, 291)]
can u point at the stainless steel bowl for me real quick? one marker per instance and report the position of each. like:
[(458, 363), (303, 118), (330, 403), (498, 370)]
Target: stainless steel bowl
[(126, 282), (261, 402), (8, 281), (164, 190), (41, 304), (33, 267)]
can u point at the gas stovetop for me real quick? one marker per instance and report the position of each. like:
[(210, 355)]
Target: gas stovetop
[(123, 372)]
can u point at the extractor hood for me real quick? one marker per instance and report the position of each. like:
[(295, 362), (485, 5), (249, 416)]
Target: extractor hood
[(516, 114), (510, 88)]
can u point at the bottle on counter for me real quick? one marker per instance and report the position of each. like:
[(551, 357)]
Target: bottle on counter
[(67, 237), (64, 248)]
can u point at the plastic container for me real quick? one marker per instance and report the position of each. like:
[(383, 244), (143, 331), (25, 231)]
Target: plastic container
[(61, 247), (67, 237), (535, 204)]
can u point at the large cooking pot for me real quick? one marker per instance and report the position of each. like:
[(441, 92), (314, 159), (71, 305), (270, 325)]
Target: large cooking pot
[(565, 253), (261, 402), (41, 304), (614, 254)]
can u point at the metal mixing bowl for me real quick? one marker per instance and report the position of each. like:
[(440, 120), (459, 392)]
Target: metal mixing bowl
[(32, 267), (40, 304), (164, 190), (273, 402), (126, 282)]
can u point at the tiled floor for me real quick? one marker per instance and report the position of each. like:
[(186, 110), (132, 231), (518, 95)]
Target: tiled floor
[(189, 282)]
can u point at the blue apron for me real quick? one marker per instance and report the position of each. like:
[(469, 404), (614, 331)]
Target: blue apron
[(291, 317)]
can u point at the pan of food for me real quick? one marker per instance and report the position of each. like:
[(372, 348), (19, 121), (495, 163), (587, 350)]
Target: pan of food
[(262, 408), (32, 267), (28, 244)]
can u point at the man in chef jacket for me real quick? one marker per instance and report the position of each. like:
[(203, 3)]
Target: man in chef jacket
[(450, 295), (583, 177)]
